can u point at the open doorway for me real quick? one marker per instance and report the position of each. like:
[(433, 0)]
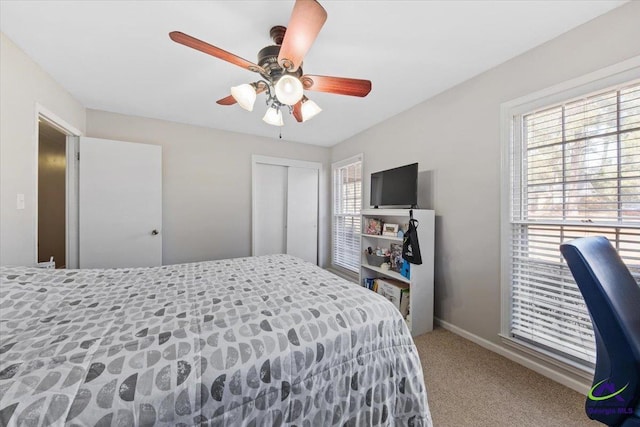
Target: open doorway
[(52, 194)]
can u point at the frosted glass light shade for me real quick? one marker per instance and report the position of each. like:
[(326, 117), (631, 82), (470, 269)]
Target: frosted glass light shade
[(245, 95), (309, 109), (289, 89), (273, 116)]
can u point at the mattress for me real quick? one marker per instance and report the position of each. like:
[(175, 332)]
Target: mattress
[(259, 341)]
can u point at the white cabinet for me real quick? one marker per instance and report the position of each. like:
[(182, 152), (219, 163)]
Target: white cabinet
[(420, 319)]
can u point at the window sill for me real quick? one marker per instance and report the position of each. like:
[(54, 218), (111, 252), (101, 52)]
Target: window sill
[(345, 274), (568, 365)]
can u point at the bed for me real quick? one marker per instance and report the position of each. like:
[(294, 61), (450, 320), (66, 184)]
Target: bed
[(257, 341)]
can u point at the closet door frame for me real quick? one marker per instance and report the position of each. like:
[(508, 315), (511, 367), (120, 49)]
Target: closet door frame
[(277, 161)]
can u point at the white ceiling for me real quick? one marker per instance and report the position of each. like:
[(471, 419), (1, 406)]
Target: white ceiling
[(117, 56)]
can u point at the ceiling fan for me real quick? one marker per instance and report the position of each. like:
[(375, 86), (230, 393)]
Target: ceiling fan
[(280, 65)]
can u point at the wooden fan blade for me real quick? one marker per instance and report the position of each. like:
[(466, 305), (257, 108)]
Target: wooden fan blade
[(297, 111), (339, 85), (307, 19), (230, 100), (205, 47)]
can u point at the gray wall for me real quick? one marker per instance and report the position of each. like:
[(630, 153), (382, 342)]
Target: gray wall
[(456, 135), (206, 174), (24, 85)]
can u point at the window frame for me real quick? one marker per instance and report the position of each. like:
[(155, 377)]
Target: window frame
[(511, 113), (336, 165)]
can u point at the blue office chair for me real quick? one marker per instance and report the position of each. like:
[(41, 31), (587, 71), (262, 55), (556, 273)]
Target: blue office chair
[(613, 299)]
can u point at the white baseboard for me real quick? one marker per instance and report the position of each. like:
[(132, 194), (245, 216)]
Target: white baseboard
[(552, 374)]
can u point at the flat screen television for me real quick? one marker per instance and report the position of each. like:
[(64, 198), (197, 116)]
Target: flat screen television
[(395, 187)]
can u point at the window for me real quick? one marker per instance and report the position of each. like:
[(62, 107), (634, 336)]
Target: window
[(574, 172), (347, 201)]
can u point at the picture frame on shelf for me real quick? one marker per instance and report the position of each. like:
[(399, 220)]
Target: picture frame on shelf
[(374, 227), (390, 230)]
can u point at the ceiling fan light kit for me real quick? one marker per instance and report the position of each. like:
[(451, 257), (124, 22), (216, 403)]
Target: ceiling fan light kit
[(309, 109), (289, 89), (245, 95), (280, 65), (273, 116)]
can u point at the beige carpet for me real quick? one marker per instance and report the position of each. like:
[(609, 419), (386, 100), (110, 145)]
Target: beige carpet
[(468, 385)]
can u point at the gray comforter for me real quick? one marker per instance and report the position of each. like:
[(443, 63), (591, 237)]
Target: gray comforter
[(251, 341)]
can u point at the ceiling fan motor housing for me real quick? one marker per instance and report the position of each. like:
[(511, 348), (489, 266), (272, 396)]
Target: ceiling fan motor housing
[(268, 57)]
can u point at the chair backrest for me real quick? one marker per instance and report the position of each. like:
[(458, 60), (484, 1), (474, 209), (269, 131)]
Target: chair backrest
[(613, 299)]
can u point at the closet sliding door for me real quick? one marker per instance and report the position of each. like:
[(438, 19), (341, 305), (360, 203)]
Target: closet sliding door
[(269, 209), (302, 213), (285, 207)]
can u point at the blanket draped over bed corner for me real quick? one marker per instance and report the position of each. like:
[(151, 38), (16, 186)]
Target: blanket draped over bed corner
[(261, 341)]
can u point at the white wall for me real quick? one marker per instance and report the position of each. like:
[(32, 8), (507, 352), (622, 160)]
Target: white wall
[(23, 85), (457, 135), (206, 187)]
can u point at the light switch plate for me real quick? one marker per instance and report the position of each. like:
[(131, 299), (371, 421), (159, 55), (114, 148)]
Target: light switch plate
[(20, 201)]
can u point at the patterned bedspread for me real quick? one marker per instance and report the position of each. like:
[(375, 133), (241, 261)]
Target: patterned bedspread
[(261, 341)]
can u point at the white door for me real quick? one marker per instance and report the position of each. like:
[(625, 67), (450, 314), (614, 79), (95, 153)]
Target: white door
[(269, 210), (120, 204), (302, 213)]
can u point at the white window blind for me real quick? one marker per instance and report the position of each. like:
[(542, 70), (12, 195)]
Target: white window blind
[(575, 173), (347, 201)]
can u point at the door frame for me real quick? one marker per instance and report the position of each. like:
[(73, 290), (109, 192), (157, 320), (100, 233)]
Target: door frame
[(278, 161), (71, 171)]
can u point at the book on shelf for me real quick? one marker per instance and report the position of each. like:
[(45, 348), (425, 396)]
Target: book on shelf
[(370, 283)]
